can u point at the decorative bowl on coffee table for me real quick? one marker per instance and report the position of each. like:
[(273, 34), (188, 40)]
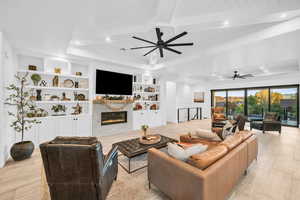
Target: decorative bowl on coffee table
[(150, 139)]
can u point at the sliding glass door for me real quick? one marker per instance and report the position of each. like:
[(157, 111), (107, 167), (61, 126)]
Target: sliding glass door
[(219, 99), (284, 102), (257, 103), (236, 103)]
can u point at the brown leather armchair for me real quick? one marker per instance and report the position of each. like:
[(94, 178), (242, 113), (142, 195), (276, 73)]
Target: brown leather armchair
[(217, 116), (76, 168), (271, 122)]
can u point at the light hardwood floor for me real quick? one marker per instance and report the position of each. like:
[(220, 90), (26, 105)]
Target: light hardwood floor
[(276, 174)]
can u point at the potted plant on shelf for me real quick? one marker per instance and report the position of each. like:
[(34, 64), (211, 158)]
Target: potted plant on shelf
[(59, 109), (36, 78), (20, 98)]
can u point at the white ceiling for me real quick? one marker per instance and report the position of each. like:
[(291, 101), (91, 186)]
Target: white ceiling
[(261, 35)]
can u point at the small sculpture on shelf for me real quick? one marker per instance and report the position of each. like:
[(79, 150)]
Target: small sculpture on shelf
[(59, 110), (64, 97), (43, 83), (54, 98), (55, 81), (36, 79), (77, 109)]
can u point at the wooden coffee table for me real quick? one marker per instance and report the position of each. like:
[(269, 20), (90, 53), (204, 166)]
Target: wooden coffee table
[(133, 148)]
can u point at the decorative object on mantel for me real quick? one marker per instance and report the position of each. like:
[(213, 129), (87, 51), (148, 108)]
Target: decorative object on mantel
[(32, 67), (55, 81), (36, 79), (77, 109), (107, 103), (57, 70), (20, 98), (59, 110)]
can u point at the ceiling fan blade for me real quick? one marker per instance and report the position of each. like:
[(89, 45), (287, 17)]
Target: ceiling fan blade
[(176, 37), (246, 75), (180, 44), (150, 51), (158, 33), (173, 50), (161, 52), (143, 40), (141, 47)]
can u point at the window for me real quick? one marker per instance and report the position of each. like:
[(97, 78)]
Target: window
[(255, 102)]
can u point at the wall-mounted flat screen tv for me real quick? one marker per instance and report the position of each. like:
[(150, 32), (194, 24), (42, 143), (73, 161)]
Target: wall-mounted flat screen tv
[(112, 83)]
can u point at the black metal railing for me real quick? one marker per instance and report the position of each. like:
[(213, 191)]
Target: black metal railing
[(188, 114)]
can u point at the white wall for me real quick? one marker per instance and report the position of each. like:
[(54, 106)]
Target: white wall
[(2, 136), (171, 107), (8, 67)]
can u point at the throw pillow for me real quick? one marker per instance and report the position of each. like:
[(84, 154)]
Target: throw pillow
[(227, 130), (205, 134), (180, 153)]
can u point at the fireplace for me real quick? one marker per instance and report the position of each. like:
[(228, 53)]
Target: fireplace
[(108, 118)]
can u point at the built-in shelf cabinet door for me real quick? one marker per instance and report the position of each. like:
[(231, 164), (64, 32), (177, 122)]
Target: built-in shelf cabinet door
[(83, 126), (47, 130), (67, 126), (151, 118)]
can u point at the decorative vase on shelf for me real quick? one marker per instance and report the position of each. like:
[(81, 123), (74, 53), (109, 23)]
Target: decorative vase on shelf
[(55, 81), (38, 95)]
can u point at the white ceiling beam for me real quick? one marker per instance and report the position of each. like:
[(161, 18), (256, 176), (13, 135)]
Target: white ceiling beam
[(277, 30), (273, 31)]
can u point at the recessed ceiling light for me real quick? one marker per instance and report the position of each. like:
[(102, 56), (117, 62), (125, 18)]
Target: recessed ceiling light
[(225, 23), (107, 39), (283, 15)]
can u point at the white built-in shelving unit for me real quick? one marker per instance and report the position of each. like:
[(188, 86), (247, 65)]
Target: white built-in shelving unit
[(45, 68), (52, 125), (146, 92)]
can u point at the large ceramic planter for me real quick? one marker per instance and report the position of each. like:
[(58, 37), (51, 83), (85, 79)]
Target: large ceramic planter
[(22, 150)]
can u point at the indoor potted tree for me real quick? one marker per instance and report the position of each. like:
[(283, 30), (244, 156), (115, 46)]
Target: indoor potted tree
[(20, 98)]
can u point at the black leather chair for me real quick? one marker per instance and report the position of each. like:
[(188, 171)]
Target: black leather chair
[(271, 122), (77, 169)]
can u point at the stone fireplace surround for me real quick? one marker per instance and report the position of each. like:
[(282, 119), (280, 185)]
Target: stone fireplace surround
[(111, 129)]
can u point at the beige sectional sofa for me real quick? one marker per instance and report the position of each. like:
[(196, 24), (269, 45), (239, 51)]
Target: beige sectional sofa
[(208, 176)]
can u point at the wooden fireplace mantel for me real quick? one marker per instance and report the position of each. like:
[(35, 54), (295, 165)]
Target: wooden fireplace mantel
[(104, 101)]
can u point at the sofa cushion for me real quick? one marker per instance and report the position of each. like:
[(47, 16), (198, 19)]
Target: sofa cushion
[(232, 141), (245, 134), (183, 154), (205, 159)]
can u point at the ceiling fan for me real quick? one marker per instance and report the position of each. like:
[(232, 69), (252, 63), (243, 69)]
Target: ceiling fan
[(161, 44), (237, 75)]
